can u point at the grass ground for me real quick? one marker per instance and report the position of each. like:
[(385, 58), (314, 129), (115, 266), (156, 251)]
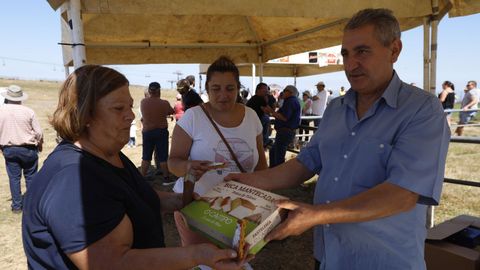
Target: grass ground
[(462, 163)]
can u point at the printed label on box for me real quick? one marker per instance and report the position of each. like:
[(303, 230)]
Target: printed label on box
[(217, 214)]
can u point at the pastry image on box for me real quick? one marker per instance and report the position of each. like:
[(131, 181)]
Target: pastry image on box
[(233, 215), (238, 242)]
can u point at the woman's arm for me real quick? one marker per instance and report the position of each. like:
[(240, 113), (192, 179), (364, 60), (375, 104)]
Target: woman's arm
[(170, 201), (178, 162), (114, 251), (262, 161), (443, 96)]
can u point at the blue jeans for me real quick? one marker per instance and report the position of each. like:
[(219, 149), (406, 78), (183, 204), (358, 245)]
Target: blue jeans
[(18, 158), (283, 138)]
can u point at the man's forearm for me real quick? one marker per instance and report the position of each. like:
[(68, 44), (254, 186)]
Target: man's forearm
[(289, 174), (279, 116), (381, 201)]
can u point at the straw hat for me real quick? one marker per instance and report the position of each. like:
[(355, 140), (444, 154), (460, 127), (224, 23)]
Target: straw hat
[(307, 93), (14, 93)]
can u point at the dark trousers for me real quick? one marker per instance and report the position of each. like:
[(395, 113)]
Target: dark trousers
[(283, 138), (265, 120), (18, 158), (316, 122)]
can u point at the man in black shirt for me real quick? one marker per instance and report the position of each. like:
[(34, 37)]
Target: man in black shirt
[(190, 98), (258, 101)]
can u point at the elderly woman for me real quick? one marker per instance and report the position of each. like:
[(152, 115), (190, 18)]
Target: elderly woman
[(89, 207), (195, 142)]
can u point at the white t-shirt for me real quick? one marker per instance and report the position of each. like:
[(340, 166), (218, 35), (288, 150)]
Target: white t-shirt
[(207, 145), (133, 129), (319, 105), (469, 96)]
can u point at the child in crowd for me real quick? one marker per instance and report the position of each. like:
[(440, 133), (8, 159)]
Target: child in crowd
[(133, 134)]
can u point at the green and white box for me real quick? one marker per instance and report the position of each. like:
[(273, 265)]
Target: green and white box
[(215, 215)]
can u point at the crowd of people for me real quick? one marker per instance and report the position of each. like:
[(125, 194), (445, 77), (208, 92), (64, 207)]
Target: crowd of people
[(90, 207)]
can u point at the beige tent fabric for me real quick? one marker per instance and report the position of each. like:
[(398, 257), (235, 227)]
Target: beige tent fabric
[(281, 70), (248, 31)]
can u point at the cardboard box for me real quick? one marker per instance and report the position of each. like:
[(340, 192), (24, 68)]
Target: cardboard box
[(219, 213), (442, 254)]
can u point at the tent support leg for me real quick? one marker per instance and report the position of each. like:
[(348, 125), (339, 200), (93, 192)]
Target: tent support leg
[(254, 84), (426, 53), (67, 71), (433, 48), (78, 42)]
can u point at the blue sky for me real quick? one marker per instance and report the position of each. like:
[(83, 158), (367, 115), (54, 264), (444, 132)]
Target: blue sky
[(30, 30)]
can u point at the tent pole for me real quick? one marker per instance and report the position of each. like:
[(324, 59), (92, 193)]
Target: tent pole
[(200, 82), (260, 61), (295, 75), (432, 84), (433, 48), (254, 85), (78, 43), (426, 53), (67, 71), (261, 72)]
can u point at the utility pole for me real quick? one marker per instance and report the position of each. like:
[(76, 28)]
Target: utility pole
[(171, 83), (178, 73)]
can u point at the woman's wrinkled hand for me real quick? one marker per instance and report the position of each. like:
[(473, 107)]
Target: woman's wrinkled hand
[(220, 259)]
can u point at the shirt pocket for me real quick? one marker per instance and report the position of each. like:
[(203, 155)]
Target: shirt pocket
[(370, 164)]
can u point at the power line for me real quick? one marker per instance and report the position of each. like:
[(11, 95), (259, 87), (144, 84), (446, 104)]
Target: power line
[(28, 61)]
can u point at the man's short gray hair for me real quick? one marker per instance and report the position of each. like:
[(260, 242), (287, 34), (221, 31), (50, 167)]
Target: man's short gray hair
[(385, 24), (292, 90)]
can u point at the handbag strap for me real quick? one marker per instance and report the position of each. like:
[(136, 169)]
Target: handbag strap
[(232, 154)]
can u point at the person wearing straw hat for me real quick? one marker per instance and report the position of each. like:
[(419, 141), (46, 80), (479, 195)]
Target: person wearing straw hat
[(20, 140)]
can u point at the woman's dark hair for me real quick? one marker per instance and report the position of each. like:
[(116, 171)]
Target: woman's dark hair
[(223, 64), (78, 96), (449, 84)]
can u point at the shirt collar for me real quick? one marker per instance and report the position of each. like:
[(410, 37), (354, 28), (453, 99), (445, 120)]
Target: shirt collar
[(390, 95)]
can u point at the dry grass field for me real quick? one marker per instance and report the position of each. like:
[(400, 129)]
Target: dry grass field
[(462, 163)]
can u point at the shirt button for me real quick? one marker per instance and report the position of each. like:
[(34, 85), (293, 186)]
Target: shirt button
[(353, 133), (345, 156), (327, 201), (382, 145), (335, 179)]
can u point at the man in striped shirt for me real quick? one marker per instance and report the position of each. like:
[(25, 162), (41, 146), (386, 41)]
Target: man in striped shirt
[(20, 141)]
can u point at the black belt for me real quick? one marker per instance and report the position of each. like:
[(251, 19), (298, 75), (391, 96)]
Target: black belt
[(28, 146)]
